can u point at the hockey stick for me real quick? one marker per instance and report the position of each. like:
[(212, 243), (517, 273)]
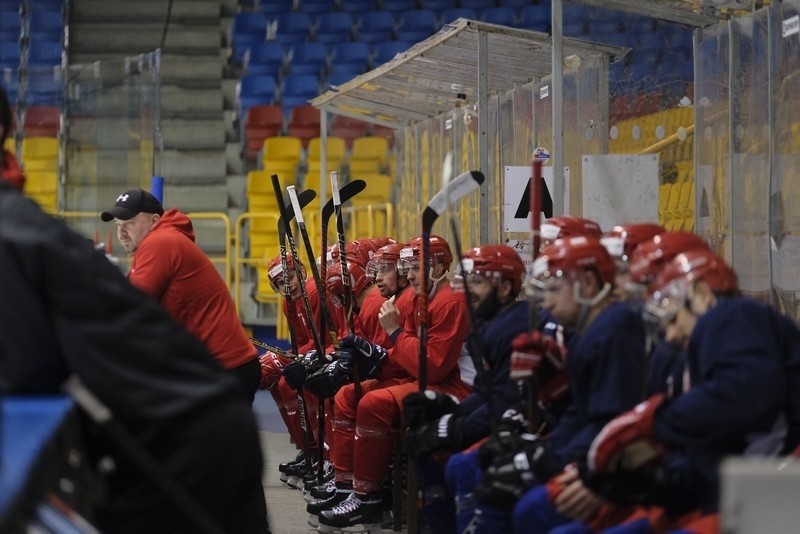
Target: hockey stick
[(283, 224), (348, 291), (475, 347), (100, 414), (327, 319), (529, 392), (452, 192), (272, 348)]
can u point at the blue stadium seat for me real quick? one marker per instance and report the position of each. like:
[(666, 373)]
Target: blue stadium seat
[(9, 55), (573, 28), (535, 17), (449, 15), (603, 27), (416, 25), (338, 78), (477, 5), (255, 89), (359, 6), (334, 27), (44, 53), (505, 16), (265, 57), (316, 7), (271, 8), (387, 50), (376, 26), (350, 57), (291, 27), (247, 28), (307, 58), (46, 25), (10, 24), (302, 86), (516, 4), (398, 6)]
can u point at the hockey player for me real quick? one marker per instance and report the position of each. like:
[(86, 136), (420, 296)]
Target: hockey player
[(364, 431), (620, 242), (605, 362), (742, 359), (492, 275), (272, 365)]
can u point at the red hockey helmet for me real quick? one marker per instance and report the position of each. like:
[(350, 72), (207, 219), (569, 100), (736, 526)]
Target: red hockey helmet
[(621, 240), (649, 257), (573, 255), (567, 226), (275, 271), (499, 262), (378, 242), (439, 249), (335, 282), (385, 259), (671, 288)]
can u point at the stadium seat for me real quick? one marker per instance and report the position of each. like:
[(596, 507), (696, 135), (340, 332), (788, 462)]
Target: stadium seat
[(291, 27), (335, 79), (247, 28), (478, 5), (505, 16), (336, 150), (387, 50), (350, 57), (517, 4), (304, 123), (316, 7), (261, 121), (449, 15), (385, 132), (334, 27), (255, 89), (42, 187), (416, 25), (272, 8), (376, 26), (398, 6), (298, 89), (46, 25), (437, 6), (369, 155), (535, 17), (264, 57), (359, 6), (41, 121), (348, 128), (45, 53), (307, 58), (282, 154), (9, 55)]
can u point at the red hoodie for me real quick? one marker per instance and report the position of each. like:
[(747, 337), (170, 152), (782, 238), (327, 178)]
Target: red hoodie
[(10, 171), (170, 266)]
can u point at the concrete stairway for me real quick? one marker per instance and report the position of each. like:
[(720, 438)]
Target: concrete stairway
[(192, 118)]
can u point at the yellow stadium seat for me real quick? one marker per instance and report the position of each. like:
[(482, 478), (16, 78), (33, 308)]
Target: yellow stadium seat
[(361, 167), (10, 145), (664, 191), (370, 155), (40, 148), (378, 186), (41, 182), (335, 152), (282, 154)]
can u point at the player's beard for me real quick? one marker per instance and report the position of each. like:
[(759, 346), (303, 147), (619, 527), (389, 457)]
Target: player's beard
[(489, 306)]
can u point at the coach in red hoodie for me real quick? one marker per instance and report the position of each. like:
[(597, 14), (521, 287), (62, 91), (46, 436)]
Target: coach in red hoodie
[(169, 265)]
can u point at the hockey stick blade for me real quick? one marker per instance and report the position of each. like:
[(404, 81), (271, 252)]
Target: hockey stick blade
[(304, 198), (348, 191), (455, 190)]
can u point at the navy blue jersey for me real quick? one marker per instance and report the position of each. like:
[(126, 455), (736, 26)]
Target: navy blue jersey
[(666, 368), (606, 370), (738, 357), (496, 337)]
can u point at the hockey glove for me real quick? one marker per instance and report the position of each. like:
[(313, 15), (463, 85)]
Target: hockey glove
[(443, 434), (271, 368), (627, 443), (421, 407), (370, 355), (326, 381), (505, 439), (540, 356), (510, 475), (296, 372)]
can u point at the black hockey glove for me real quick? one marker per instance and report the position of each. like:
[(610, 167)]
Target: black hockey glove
[(513, 473), (297, 371), (443, 434), (370, 355), (507, 438), (421, 407), (326, 381)]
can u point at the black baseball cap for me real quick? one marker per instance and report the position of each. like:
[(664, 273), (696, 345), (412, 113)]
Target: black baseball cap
[(131, 203)]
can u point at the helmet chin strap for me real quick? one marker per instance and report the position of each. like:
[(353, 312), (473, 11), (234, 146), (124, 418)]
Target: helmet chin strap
[(435, 282), (588, 304)]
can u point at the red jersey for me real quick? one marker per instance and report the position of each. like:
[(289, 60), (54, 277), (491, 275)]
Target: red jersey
[(298, 322), (448, 327), (366, 321), (169, 266), (10, 171)]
